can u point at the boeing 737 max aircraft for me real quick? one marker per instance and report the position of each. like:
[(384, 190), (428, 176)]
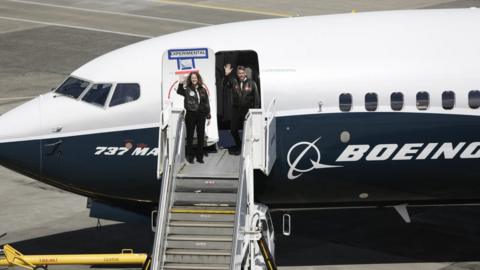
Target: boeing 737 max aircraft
[(374, 109)]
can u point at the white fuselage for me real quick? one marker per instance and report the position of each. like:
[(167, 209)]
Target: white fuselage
[(303, 62)]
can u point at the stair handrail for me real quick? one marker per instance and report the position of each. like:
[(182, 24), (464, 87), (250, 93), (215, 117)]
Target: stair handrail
[(244, 197), (271, 109), (266, 254), (168, 184), (246, 232)]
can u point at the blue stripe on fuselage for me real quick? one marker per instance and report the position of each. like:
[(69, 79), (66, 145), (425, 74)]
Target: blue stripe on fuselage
[(368, 182), (76, 164)]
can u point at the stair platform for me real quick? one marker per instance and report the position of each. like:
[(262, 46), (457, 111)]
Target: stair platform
[(217, 165)]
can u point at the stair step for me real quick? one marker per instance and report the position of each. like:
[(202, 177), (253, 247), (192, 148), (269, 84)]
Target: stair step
[(203, 245), (206, 252), (200, 230), (219, 208), (198, 259), (203, 210), (192, 237), (207, 185), (190, 198), (213, 175), (196, 266), (201, 224), (201, 217)]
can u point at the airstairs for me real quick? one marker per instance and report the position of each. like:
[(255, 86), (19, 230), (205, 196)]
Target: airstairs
[(207, 218)]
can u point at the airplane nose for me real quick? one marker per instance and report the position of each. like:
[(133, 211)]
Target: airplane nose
[(19, 142), (21, 122)]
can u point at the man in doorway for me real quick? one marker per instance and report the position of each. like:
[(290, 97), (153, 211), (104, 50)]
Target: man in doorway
[(244, 97)]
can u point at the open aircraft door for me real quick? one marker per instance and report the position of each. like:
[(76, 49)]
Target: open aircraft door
[(181, 62)]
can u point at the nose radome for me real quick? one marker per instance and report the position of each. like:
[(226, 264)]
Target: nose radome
[(19, 149), (21, 122)]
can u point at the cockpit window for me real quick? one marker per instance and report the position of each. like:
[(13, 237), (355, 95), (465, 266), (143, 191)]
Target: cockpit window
[(97, 94), (124, 93), (72, 87)]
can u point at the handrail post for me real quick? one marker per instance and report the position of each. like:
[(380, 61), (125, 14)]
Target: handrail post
[(270, 151), (163, 124)]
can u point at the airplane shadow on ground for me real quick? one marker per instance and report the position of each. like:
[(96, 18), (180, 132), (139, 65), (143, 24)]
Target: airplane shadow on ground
[(327, 237), (371, 236)]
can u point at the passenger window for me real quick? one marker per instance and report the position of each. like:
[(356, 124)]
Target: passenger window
[(396, 101), (72, 87), (97, 94), (124, 93), (371, 102), (423, 100), (474, 99), (448, 100), (345, 102)]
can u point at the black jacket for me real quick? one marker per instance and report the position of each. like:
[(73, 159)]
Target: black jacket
[(248, 96), (190, 101)]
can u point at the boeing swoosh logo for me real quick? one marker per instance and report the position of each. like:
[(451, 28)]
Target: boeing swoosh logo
[(294, 172)]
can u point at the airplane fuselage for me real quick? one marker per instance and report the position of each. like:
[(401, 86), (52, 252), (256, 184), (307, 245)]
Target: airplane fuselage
[(370, 154)]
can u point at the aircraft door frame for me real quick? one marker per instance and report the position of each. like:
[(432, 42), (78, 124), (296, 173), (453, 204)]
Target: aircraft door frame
[(181, 62)]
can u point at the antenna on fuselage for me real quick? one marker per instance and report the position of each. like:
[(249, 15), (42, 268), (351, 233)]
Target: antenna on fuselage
[(402, 210)]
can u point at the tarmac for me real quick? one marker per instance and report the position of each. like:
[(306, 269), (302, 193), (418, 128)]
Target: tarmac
[(42, 41)]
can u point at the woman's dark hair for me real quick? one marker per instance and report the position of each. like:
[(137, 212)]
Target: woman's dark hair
[(200, 80)]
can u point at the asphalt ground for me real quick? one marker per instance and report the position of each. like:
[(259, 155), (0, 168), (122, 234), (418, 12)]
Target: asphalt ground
[(42, 41)]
